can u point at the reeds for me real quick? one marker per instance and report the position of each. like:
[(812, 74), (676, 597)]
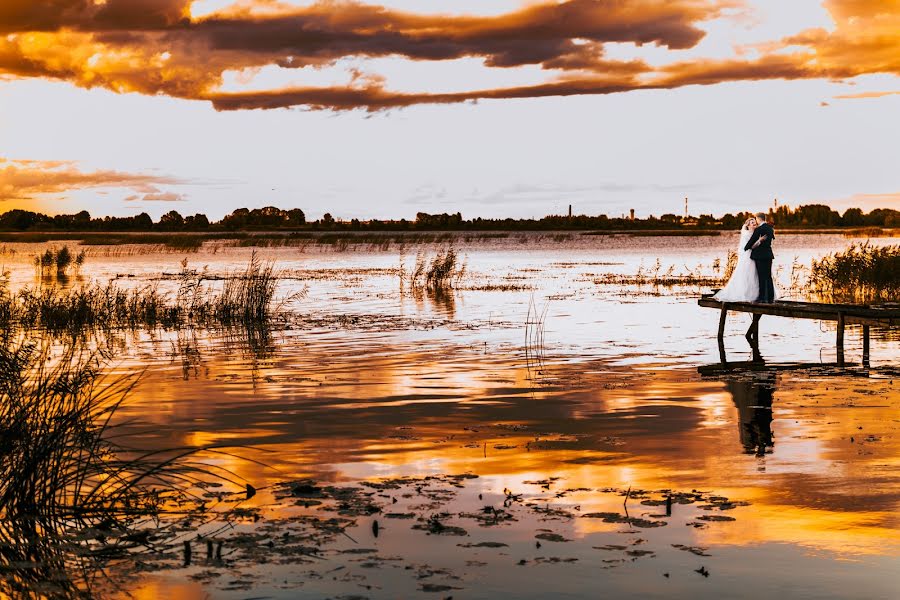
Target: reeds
[(439, 274), (862, 273), (535, 322), (671, 276), (70, 491), (59, 261), (245, 299)]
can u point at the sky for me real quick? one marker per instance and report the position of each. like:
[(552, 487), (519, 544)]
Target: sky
[(492, 108)]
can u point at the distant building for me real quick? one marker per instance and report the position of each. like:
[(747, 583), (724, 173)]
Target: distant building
[(632, 214)]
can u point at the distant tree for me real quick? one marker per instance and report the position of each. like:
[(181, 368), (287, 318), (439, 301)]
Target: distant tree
[(238, 219), (815, 215), (196, 222), (296, 217), (20, 219), (327, 219), (170, 221), (143, 222), (853, 217)]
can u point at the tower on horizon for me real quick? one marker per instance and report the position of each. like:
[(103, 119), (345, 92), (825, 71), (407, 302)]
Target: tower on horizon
[(685, 207)]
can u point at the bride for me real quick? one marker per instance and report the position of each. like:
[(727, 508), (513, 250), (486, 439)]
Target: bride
[(744, 283)]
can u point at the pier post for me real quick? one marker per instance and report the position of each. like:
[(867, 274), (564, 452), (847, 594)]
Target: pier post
[(840, 339), (865, 346), (721, 337), (753, 331)]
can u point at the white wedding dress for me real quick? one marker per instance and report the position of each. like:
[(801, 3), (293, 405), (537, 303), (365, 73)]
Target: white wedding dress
[(744, 283)]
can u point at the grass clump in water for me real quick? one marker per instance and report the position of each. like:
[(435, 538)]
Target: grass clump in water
[(59, 261), (862, 273), (441, 274)]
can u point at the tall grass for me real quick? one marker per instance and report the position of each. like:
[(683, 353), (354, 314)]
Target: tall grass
[(59, 261), (69, 490), (861, 273), (246, 298), (439, 274)]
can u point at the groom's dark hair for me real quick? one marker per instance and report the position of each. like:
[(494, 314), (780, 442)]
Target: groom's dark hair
[(761, 216)]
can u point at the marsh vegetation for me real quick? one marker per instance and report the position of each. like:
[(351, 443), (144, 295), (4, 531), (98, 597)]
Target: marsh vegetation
[(73, 495), (437, 274), (359, 383), (244, 298), (862, 273), (60, 262)]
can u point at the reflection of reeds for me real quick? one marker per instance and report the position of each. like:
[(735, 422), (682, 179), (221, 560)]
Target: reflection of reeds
[(861, 273)]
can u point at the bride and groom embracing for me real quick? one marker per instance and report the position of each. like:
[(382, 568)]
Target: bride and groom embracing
[(752, 277)]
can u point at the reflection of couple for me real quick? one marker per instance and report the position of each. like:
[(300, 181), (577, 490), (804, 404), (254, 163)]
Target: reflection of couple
[(754, 404), (752, 277)]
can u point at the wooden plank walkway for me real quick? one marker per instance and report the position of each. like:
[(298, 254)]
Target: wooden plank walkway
[(882, 315)]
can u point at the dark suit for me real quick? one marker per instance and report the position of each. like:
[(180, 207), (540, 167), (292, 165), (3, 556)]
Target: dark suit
[(763, 256)]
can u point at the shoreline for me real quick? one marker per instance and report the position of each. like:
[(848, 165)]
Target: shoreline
[(113, 237)]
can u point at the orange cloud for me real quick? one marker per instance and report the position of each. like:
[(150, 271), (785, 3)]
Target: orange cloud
[(156, 47), (867, 95), (28, 179)]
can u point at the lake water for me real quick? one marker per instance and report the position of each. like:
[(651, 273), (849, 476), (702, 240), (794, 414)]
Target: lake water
[(574, 408)]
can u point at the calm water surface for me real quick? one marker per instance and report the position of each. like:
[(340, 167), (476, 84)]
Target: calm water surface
[(794, 469)]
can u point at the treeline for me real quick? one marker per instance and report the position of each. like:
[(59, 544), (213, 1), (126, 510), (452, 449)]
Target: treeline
[(270, 218)]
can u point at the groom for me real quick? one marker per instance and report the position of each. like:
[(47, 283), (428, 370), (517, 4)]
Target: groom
[(760, 246)]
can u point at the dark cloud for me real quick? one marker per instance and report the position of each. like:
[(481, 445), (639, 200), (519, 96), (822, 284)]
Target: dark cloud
[(155, 47), (88, 15)]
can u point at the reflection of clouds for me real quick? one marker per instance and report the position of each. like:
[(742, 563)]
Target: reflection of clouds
[(418, 409)]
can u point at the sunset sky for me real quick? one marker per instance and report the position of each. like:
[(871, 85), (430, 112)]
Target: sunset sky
[(488, 107)]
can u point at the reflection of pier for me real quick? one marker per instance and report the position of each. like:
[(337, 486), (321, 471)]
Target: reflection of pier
[(842, 314)]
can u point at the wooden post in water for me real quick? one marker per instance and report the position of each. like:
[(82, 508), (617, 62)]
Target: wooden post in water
[(866, 346), (753, 331), (722, 317), (840, 339)]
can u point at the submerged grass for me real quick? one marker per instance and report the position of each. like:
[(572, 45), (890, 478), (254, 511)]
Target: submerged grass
[(671, 276), (861, 273)]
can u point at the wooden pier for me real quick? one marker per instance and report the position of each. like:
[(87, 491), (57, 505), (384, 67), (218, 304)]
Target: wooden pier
[(884, 315)]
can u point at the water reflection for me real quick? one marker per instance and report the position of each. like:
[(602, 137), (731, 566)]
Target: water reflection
[(370, 384), (753, 400)]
